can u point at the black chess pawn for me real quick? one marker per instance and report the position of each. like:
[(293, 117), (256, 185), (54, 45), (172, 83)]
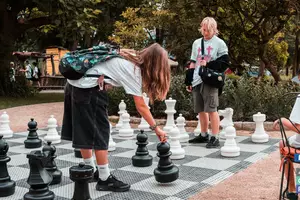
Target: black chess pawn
[(7, 186), (142, 157), (81, 175), (51, 165), (32, 140), (77, 153), (166, 171), (39, 178)]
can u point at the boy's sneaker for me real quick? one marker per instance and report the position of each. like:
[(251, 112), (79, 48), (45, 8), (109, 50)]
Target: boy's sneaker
[(199, 139), (112, 184), (213, 143)]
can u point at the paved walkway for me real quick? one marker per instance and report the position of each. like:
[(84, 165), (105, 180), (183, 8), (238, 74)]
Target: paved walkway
[(259, 181)]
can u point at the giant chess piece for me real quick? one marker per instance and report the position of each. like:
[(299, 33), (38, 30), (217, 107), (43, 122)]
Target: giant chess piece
[(226, 121), (51, 165), (32, 140), (4, 126), (7, 186), (180, 123), (295, 118), (126, 131), (144, 125), (77, 153), (197, 130), (230, 149), (142, 157), (111, 143), (177, 151), (166, 171), (39, 178), (52, 134), (259, 135), (81, 175), (170, 111), (122, 109)]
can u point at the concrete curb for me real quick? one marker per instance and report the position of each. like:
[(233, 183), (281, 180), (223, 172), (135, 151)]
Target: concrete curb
[(247, 126)]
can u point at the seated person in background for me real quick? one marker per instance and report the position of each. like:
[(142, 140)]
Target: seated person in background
[(294, 142)]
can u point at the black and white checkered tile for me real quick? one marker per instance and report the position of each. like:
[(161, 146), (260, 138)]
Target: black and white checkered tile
[(200, 169)]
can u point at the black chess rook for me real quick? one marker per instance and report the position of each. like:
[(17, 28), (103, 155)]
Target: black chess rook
[(39, 178), (166, 171), (32, 140), (7, 186), (50, 166), (77, 153), (142, 157), (81, 175)]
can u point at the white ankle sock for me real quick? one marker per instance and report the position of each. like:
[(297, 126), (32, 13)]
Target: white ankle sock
[(204, 134), (103, 172), (90, 161)]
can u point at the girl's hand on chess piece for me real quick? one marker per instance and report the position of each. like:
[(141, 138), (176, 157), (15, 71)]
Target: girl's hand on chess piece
[(162, 135)]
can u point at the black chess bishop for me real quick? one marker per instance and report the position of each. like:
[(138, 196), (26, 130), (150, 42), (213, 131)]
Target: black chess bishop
[(142, 157), (32, 140)]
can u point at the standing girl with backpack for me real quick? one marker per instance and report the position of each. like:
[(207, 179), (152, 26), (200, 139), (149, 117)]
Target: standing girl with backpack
[(85, 119)]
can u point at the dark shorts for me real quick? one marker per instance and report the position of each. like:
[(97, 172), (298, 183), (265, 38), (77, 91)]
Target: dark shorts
[(205, 98), (85, 120)]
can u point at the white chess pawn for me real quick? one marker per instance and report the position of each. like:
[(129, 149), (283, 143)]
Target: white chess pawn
[(122, 109), (126, 130), (197, 130), (111, 143), (226, 121), (4, 126), (175, 147), (170, 111), (259, 135), (180, 123), (144, 125), (230, 148), (52, 134)]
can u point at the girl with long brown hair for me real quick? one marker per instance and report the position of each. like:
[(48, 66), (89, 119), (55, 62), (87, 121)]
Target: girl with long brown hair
[(85, 120)]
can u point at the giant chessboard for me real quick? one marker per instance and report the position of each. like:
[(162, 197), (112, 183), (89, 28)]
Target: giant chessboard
[(200, 169)]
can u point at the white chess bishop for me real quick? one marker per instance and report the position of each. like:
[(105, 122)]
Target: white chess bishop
[(180, 123), (197, 130), (122, 109), (226, 121), (52, 134), (144, 125), (4, 126), (259, 135), (230, 148), (175, 147), (170, 111), (126, 131), (111, 143)]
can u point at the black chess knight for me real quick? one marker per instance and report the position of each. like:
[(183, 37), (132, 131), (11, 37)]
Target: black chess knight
[(142, 157), (166, 171), (33, 140), (7, 186), (39, 178), (51, 165)]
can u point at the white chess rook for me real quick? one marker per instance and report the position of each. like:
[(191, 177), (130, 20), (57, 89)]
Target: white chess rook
[(144, 125), (230, 148), (126, 131), (52, 134), (175, 147), (259, 135), (226, 121), (197, 130), (111, 143), (4, 126), (170, 111), (180, 123), (122, 109)]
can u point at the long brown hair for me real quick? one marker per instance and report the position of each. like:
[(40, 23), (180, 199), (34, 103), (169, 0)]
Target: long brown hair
[(155, 70)]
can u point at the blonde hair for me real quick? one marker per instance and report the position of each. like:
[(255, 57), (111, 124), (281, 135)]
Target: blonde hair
[(211, 25), (155, 70)]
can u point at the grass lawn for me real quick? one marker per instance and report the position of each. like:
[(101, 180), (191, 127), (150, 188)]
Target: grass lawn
[(8, 102)]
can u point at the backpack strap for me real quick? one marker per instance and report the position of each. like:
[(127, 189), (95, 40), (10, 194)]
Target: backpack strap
[(95, 76)]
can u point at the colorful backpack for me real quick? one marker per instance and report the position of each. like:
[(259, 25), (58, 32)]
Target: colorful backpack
[(74, 64)]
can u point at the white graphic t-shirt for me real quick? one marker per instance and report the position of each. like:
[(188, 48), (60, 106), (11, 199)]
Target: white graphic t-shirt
[(213, 49)]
